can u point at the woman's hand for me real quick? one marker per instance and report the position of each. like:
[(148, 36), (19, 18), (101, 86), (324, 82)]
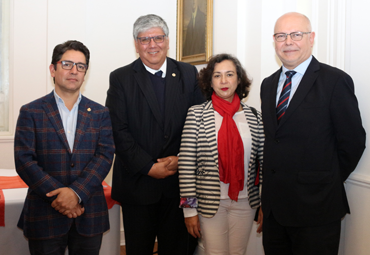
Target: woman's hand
[(260, 220), (193, 225)]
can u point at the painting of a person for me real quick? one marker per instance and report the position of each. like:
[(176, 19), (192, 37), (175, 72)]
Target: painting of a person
[(195, 40)]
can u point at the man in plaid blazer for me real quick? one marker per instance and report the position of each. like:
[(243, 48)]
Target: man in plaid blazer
[(63, 150)]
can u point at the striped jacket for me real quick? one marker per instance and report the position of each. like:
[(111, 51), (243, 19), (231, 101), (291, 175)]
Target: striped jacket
[(198, 159)]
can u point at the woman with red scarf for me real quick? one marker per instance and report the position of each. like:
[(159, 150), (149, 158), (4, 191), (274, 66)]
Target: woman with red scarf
[(220, 161)]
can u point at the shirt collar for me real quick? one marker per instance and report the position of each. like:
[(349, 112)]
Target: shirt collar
[(301, 69), (58, 99), (194, 13), (163, 68)]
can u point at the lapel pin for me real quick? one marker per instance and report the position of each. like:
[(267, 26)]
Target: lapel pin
[(173, 75), (89, 109)]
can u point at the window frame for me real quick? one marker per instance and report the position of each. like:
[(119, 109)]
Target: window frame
[(5, 89)]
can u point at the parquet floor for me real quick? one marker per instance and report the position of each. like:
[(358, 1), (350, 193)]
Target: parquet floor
[(123, 249)]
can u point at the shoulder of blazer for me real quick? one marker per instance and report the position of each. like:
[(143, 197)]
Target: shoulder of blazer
[(272, 76), (315, 66), (249, 109), (135, 66), (89, 102), (254, 118), (328, 70), (91, 108), (202, 112), (185, 69), (200, 108), (49, 98), (39, 105), (181, 65)]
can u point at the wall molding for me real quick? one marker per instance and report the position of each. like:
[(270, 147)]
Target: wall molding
[(328, 20), (359, 180), (7, 139), (336, 33)]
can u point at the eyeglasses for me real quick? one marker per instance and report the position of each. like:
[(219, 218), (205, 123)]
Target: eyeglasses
[(68, 65), (156, 39), (295, 36)]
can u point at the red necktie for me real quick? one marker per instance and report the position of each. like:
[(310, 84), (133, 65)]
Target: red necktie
[(284, 95)]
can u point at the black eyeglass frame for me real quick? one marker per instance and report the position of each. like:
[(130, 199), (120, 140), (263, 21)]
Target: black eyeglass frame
[(160, 37), (63, 62), (293, 33)]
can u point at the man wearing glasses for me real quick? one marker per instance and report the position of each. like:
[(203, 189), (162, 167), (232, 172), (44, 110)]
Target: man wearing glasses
[(148, 102), (63, 150), (314, 140)]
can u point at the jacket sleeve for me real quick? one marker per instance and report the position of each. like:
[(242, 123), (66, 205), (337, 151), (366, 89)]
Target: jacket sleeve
[(261, 138), (346, 118), (127, 148), (26, 156), (187, 163)]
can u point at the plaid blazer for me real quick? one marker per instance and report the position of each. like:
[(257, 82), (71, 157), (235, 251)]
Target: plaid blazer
[(44, 161)]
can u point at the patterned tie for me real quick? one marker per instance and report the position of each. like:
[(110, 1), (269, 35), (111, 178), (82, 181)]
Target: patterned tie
[(159, 74), (284, 95)]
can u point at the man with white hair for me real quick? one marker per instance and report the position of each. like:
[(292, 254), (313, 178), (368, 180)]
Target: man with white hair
[(148, 102)]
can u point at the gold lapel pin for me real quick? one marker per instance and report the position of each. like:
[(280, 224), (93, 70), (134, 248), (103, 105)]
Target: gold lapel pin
[(173, 75), (89, 109)]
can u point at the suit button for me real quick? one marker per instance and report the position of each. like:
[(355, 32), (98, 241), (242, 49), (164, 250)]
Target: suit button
[(166, 137), (273, 171), (277, 141), (72, 165)]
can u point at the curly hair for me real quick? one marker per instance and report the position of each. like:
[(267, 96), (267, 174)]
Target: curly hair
[(205, 76)]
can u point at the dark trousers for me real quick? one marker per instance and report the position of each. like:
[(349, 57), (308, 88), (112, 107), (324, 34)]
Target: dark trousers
[(77, 244), (164, 220), (313, 240)]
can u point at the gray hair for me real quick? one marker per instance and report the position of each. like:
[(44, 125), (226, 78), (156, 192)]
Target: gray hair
[(147, 22)]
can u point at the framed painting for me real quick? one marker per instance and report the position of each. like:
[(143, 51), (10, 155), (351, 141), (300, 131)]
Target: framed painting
[(194, 31)]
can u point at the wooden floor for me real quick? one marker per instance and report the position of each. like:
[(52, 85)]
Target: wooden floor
[(123, 249)]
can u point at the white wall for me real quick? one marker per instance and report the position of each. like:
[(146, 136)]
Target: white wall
[(241, 27), (357, 57)]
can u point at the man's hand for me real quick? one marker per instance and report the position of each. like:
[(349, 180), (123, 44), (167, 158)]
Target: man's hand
[(193, 225), (174, 162), (66, 200), (161, 170), (75, 212)]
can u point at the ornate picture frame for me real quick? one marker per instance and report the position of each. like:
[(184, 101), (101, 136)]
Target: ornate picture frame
[(194, 31)]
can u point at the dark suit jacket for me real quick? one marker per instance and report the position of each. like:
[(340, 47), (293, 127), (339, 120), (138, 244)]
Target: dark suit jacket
[(44, 161), (141, 133), (195, 41), (317, 144)]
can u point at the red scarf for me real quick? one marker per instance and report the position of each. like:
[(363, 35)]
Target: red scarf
[(230, 146)]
